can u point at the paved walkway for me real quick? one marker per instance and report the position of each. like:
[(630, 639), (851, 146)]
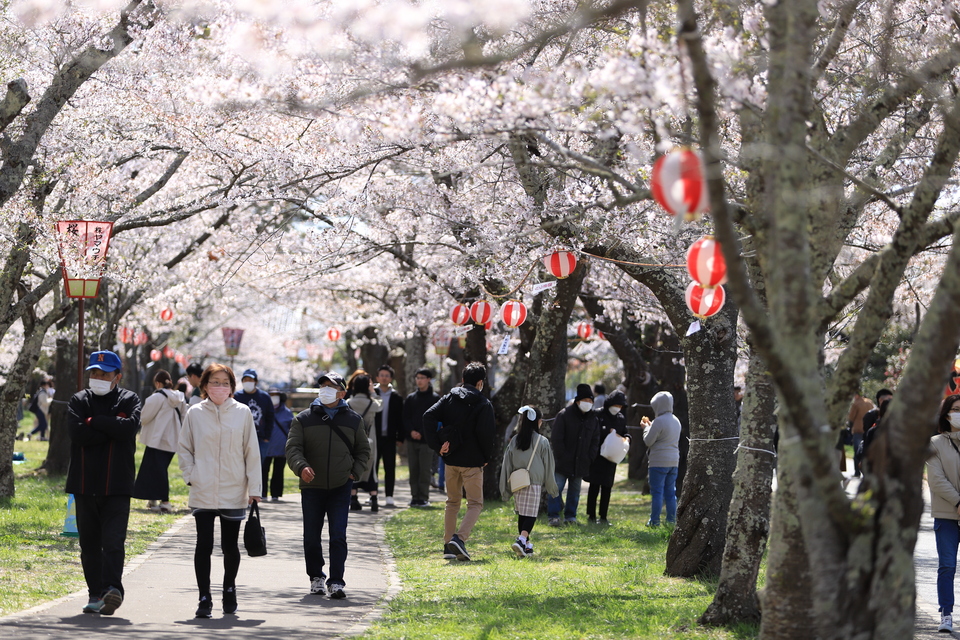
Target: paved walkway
[(273, 592)]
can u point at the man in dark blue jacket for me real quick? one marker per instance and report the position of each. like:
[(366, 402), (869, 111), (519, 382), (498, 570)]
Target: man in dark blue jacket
[(103, 421), (261, 406), (461, 428)]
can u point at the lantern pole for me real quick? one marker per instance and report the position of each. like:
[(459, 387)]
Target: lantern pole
[(80, 349)]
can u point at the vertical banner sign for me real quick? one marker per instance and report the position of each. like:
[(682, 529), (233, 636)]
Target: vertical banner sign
[(83, 255), (231, 340), (504, 346)]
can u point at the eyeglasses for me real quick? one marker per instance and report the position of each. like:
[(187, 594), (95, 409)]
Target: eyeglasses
[(218, 384)]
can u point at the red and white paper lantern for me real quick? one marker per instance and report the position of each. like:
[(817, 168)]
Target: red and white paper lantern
[(141, 338), (705, 262), (125, 335), (166, 315), (584, 330), (704, 302), (460, 315), (481, 312), (560, 263), (679, 185), (333, 334), (513, 313), (155, 354), (168, 352)]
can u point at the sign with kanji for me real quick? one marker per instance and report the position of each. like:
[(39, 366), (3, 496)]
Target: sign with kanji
[(231, 340), (83, 255)]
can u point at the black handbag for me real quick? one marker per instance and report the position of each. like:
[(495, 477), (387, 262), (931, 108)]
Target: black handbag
[(254, 536)]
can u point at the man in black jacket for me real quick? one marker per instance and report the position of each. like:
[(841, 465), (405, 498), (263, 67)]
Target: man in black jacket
[(576, 442), (461, 428), (389, 425), (103, 421), (419, 453)]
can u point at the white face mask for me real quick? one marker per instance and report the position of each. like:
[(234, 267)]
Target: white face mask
[(585, 405), (327, 395), (954, 419), (249, 386), (275, 400), (614, 410), (101, 387)]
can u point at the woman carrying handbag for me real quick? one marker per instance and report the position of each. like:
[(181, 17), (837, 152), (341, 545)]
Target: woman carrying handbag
[(602, 470), (527, 451)]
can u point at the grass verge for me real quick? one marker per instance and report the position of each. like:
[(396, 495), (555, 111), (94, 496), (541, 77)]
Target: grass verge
[(585, 581)]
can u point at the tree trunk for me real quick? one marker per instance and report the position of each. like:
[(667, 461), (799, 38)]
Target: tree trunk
[(58, 450), (748, 521), (415, 350), (696, 545)]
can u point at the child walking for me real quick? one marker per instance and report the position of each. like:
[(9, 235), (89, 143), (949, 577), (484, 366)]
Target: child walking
[(528, 450)]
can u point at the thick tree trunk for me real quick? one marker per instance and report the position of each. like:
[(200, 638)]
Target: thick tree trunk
[(748, 521), (415, 349), (58, 450), (696, 545)]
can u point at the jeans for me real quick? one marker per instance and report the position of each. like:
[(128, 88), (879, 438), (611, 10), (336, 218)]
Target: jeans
[(102, 525), (947, 533), (663, 488), (420, 460), (460, 479), (573, 498), (334, 504)]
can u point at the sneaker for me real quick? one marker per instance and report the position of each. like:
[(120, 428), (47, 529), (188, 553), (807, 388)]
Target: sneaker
[(389, 502), (650, 523), (336, 591), (355, 504), (112, 600), (554, 522), (93, 606), (946, 623), (205, 608), (459, 547), (230, 600), (529, 550), (275, 499), (449, 552), (591, 520), (153, 505), (604, 522), (374, 507), (317, 586), (419, 503), (570, 521), (519, 549), (165, 507)]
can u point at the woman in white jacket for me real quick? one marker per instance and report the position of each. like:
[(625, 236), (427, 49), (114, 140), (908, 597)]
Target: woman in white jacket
[(160, 422), (943, 477), (219, 456)]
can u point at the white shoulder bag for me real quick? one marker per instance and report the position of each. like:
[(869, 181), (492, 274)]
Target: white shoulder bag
[(520, 479)]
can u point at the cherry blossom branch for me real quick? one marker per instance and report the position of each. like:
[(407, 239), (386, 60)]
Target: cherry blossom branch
[(162, 181), (830, 50), (13, 103)]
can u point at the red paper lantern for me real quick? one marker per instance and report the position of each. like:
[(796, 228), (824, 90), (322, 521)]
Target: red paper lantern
[(166, 315), (584, 330), (705, 262), (125, 335), (488, 326), (180, 359), (168, 352), (141, 338), (678, 183), (155, 355), (333, 334), (560, 263), (513, 313), (481, 312), (460, 315), (704, 302)]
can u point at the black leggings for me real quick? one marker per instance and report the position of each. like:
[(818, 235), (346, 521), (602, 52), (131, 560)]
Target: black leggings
[(525, 523), (229, 537), (604, 492)]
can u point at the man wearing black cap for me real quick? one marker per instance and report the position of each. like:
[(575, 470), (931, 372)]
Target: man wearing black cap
[(261, 406), (575, 441), (103, 421), (328, 449)]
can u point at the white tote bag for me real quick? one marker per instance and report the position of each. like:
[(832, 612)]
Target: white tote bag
[(615, 447)]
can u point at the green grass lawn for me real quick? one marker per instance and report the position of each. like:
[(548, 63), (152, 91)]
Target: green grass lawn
[(584, 581)]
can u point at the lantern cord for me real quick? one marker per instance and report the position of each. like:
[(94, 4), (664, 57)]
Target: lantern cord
[(516, 288), (711, 439), (634, 264), (773, 453)]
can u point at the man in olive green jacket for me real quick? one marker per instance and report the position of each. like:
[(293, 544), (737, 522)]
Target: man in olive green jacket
[(327, 448)]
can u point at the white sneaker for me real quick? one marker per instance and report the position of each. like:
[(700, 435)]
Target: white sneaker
[(390, 502), (153, 506), (318, 586), (946, 623)]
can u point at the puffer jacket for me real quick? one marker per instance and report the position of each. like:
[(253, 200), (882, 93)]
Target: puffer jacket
[(575, 440), (943, 476), (219, 455), (314, 442), (159, 420), (662, 436), (541, 469), (471, 415)]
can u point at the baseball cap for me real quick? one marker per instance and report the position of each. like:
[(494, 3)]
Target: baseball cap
[(334, 378), (250, 373), (105, 361)]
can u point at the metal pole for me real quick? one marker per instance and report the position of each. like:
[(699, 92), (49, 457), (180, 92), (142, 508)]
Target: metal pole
[(80, 350)]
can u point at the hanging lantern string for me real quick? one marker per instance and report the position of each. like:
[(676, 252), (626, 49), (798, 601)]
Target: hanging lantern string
[(635, 264), (516, 288)]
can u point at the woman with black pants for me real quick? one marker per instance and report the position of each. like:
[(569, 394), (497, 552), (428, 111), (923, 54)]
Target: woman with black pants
[(602, 471)]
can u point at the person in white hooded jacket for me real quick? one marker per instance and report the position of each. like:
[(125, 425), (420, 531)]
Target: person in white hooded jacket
[(662, 437), (160, 420), (219, 456)]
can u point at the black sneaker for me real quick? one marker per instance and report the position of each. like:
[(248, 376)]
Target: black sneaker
[(355, 504), (112, 600), (205, 608), (519, 548), (374, 507), (449, 552), (461, 549), (336, 591), (230, 600)]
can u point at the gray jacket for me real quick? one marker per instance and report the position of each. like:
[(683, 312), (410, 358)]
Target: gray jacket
[(943, 476), (541, 469), (662, 436)]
